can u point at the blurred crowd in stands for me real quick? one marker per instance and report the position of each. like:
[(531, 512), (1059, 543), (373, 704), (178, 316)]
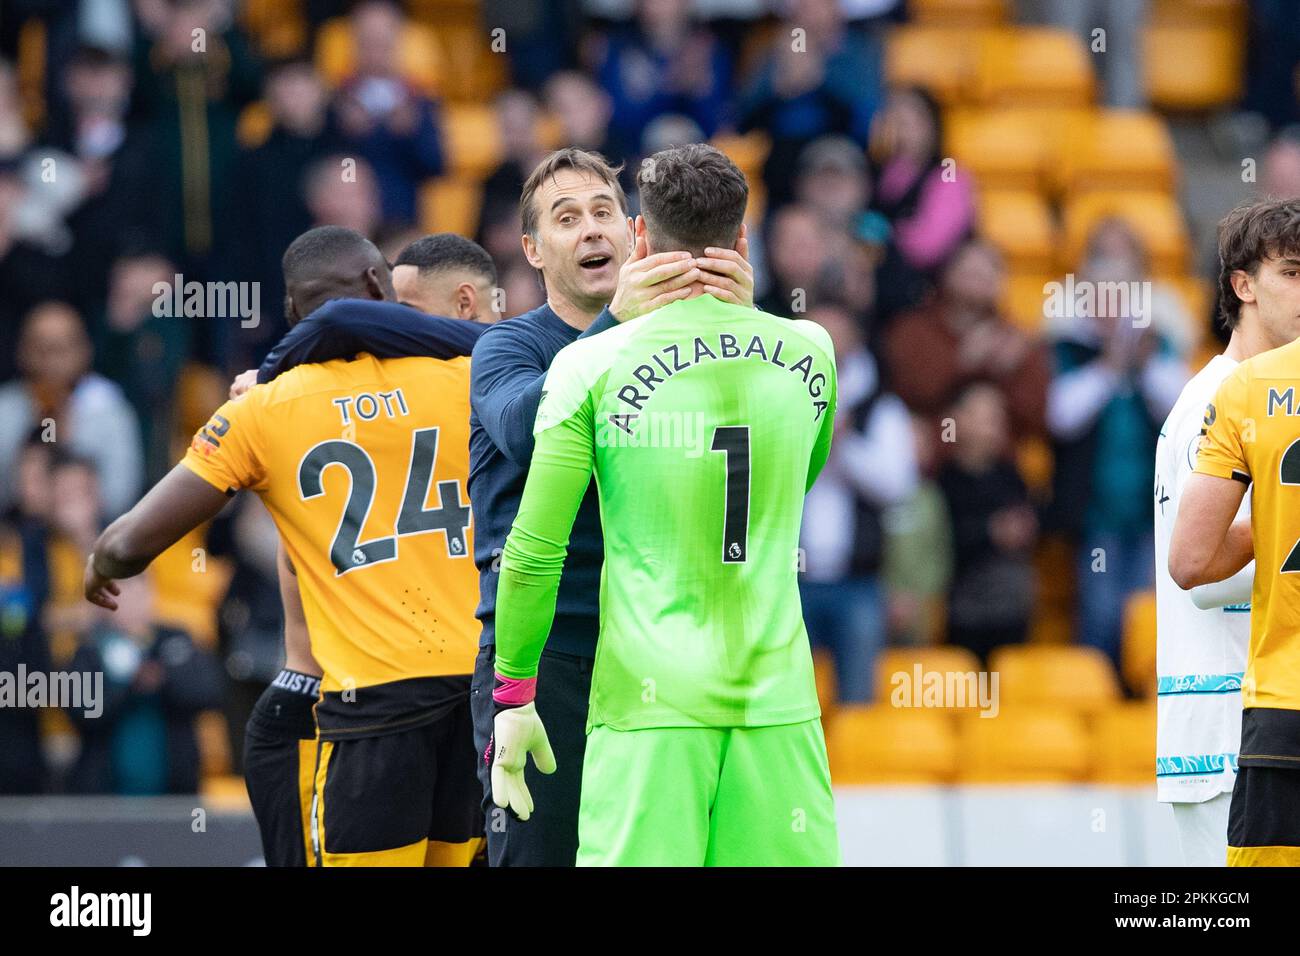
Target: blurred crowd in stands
[(980, 464)]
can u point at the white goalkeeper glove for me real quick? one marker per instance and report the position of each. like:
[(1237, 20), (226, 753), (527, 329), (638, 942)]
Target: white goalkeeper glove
[(516, 733)]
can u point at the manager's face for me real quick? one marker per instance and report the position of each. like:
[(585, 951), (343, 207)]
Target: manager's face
[(582, 238)]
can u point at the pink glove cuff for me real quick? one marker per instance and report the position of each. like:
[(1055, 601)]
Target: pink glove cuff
[(510, 692)]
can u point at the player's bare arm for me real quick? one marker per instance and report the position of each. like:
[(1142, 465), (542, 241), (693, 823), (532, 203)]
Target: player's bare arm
[(1207, 545), (176, 505), (297, 642)]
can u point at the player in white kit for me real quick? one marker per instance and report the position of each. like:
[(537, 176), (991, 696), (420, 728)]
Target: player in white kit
[(1201, 638), (1202, 635)]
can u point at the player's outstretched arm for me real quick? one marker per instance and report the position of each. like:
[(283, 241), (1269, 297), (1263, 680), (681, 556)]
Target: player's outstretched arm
[(1206, 545), (343, 328), (176, 505), (531, 565)]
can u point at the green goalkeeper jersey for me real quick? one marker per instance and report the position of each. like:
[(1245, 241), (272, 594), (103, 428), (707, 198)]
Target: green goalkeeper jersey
[(705, 424)]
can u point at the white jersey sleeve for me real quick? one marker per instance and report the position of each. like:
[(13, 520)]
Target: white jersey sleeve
[(1200, 654)]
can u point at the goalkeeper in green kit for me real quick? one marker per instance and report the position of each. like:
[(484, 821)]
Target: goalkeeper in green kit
[(704, 423)]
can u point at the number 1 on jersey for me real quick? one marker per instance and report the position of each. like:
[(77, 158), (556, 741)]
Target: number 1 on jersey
[(733, 441)]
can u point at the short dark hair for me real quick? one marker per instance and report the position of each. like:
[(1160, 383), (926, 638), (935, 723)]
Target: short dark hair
[(317, 251), (691, 197), (579, 160), (1252, 232), (444, 251)]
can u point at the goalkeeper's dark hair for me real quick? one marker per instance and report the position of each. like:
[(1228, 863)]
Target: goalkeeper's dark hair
[(691, 197), (446, 251)]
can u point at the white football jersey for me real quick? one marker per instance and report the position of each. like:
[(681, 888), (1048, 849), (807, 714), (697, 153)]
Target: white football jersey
[(1200, 654)]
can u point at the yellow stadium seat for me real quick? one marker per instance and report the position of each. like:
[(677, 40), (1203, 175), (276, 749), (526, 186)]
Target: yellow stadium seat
[(1023, 298), (827, 686), (418, 54), (1192, 67), (254, 125), (226, 792), (1013, 147), (940, 59), (883, 744), (200, 391), (966, 13), (450, 204), (1137, 655), (1118, 149), (213, 735), (1069, 677), (1033, 66), (1124, 744), (1224, 13), (1034, 461), (277, 26), (749, 152), (1023, 744), (471, 71), (1051, 625), (1154, 216), (1054, 573), (471, 138), (189, 586), (1020, 224), (896, 668)]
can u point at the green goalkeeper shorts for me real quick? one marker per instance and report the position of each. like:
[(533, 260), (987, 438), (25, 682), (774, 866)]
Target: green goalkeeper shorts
[(704, 796)]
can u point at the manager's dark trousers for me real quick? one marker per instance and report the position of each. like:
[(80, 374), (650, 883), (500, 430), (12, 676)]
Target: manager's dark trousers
[(550, 835)]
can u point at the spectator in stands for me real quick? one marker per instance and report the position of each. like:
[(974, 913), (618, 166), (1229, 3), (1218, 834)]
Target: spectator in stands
[(389, 122), (272, 207), (871, 467), (959, 336), (521, 288), (15, 137), (155, 683), (29, 274), (1272, 43), (521, 149), (818, 78), (583, 110), (114, 162), (250, 619), (144, 351), (1117, 375), (1120, 61), (662, 62), (1116, 254), (833, 181), (930, 205), (993, 526), (194, 74), (918, 549), (1280, 176), (799, 260), (24, 589), (544, 37), (342, 191), (83, 411)]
